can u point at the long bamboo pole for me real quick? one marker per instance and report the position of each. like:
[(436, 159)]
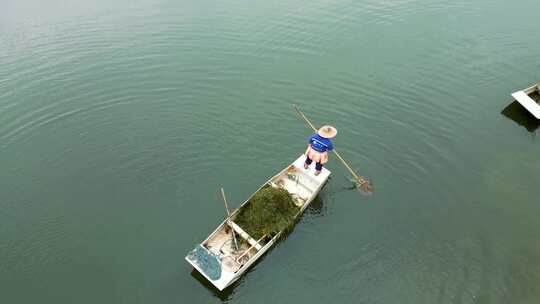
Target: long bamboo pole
[(362, 183), (228, 216)]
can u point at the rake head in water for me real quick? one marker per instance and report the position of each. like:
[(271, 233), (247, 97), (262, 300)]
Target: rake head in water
[(363, 185)]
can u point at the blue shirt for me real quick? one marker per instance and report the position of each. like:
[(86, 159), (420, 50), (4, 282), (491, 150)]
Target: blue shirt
[(320, 144)]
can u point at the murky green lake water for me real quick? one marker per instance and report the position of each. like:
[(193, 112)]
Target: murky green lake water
[(120, 120)]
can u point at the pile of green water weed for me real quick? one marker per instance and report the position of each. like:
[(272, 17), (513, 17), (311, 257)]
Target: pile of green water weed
[(268, 212)]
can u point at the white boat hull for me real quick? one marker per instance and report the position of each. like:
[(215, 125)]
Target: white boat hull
[(304, 186), (526, 101)]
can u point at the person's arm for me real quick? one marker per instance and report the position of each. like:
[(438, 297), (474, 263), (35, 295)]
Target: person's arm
[(308, 144)]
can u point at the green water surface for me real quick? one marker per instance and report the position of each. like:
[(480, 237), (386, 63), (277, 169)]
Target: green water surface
[(120, 120)]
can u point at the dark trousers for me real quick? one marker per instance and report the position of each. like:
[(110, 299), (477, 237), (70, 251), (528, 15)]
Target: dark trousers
[(318, 166)]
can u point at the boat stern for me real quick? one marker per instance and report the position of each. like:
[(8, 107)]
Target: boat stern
[(209, 265), (530, 99)]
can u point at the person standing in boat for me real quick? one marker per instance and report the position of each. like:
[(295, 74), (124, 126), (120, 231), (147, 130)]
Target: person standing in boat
[(318, 147)]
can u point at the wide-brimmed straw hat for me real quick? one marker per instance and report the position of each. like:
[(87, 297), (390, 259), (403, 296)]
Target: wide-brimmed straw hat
[(327, 131)]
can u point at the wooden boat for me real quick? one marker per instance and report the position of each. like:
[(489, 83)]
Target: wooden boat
[(217, 259), (529, 98)]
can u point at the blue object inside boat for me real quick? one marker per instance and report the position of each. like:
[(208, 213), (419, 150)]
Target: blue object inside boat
[(207, 261)]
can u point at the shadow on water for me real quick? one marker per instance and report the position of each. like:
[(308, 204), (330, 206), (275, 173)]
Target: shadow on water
[(516, 112), (315, 208), (224, 295)]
